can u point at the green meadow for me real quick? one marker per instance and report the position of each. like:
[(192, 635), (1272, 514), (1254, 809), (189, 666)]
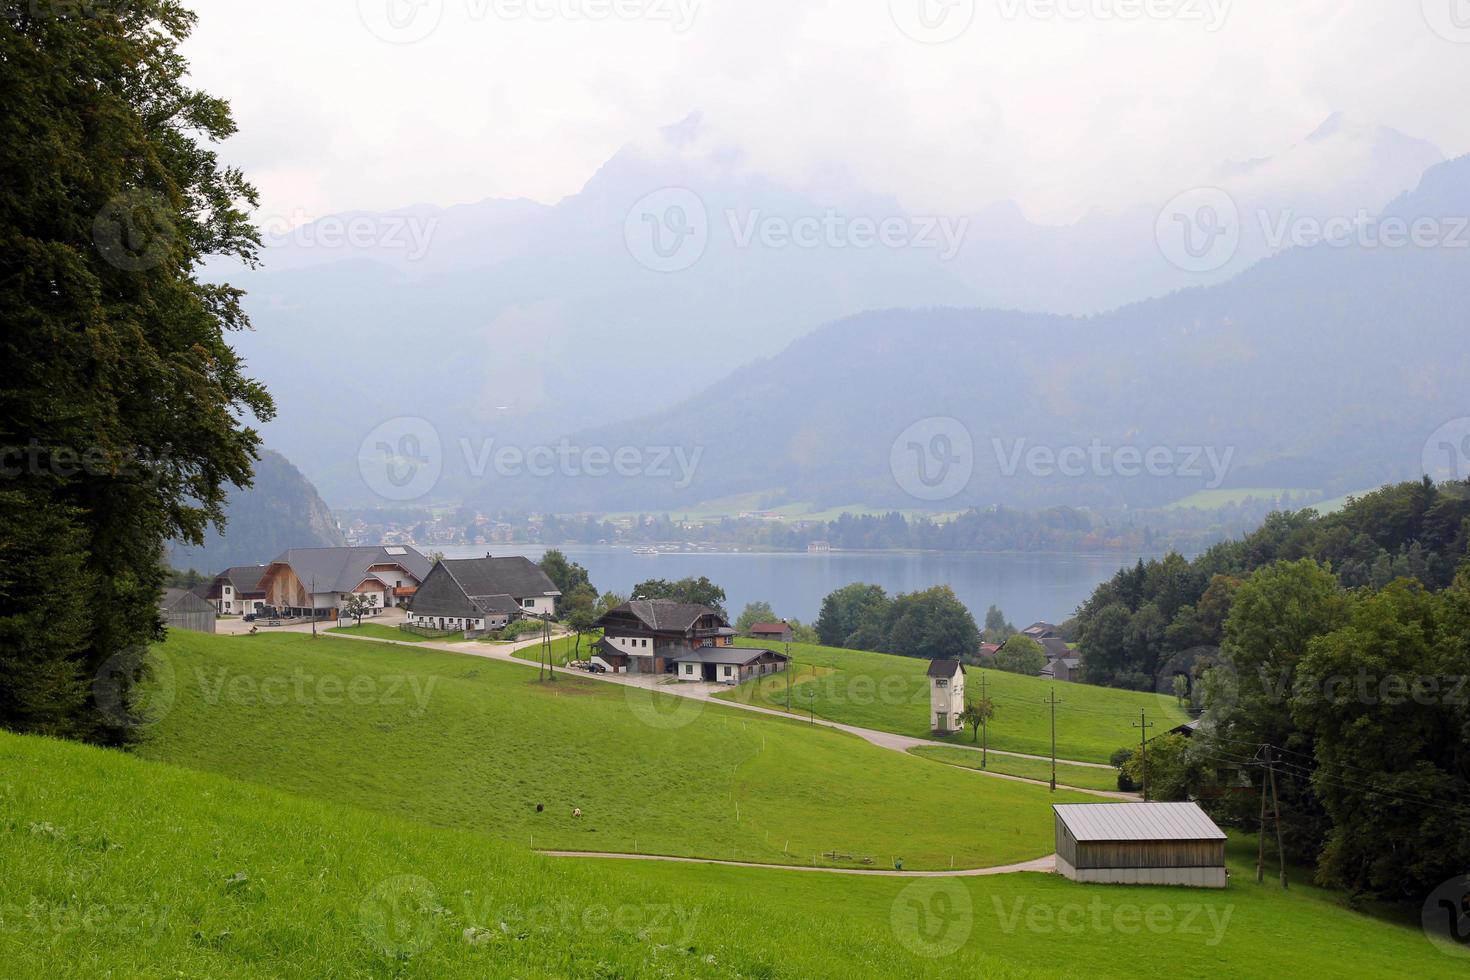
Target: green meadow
[(114, 865), (377, 631), (881, 691), (563, 649), (1080, 777), (453, 740)]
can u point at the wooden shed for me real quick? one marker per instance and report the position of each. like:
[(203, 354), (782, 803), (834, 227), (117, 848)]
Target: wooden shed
[(183, 610), (1140, 844)]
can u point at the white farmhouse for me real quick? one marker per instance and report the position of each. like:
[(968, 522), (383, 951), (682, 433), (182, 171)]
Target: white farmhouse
[(946, 696)]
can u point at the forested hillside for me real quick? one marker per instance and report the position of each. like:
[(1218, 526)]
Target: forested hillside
[(1156, 619), (280, 510)]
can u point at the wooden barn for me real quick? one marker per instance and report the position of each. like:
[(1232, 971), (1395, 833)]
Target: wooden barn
[(183, 610), (1140, 844)]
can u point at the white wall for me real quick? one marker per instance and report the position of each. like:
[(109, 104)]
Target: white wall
[(632, 644), (950, 700), (538, 605)]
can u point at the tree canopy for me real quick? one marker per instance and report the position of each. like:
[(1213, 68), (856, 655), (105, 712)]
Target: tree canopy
[(119, 382)]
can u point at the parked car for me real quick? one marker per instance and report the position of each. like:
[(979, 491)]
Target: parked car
[(592, 668)]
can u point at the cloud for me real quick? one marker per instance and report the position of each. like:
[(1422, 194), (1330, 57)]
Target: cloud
[(1061, 105)]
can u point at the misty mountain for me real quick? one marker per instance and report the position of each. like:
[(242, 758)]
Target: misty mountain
[(279, 510), (1326, 367), (519, 322)]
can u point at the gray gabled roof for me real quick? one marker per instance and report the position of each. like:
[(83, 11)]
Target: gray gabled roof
[(515, 576), (245, 578), (945, 668), (184, 600), (666, 615), (739, 656), (1137, 821), (343, 569)]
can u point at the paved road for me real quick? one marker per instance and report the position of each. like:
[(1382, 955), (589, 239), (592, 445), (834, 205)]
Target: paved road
[(1046, 864), (706, 693)]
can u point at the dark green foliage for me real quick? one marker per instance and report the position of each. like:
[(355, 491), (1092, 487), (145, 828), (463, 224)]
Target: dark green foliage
[(846, 609), (1386, 700), (566, 575), (1166, 765), (1021, 655), (932, 624), (121, 400), (1133, 629), (700, 591)]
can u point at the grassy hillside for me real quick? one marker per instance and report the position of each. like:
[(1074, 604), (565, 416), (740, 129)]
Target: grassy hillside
[(877, 690), (118, 865), (1082, 777), (457, 741)]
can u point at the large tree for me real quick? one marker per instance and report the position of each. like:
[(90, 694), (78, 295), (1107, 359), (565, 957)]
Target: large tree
[(699, 591), (1385, 698), (845, 610), (755, 612), (1275, 616), (565, 575), (1021, 655), (121, 401)]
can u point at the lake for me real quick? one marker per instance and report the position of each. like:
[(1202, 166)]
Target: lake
[(1029, 587)]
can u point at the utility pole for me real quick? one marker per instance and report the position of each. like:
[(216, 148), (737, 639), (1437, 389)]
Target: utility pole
[(313, 607), (1276, 810), (1261, 840), (789, 665), (1143, 725), (984, 727), (1052, 700)]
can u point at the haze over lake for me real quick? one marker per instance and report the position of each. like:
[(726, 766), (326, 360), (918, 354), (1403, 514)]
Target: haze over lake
[(1028, 587)]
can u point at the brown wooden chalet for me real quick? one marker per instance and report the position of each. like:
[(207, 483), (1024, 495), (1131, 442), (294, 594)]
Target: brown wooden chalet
[(657, 636)]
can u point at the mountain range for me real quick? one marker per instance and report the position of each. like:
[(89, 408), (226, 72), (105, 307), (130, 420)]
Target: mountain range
[(510, 323)]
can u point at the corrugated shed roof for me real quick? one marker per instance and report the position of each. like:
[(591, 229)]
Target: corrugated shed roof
[(1137, 821)]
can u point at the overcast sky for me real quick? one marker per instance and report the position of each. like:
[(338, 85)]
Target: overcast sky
[(1061, 105)]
